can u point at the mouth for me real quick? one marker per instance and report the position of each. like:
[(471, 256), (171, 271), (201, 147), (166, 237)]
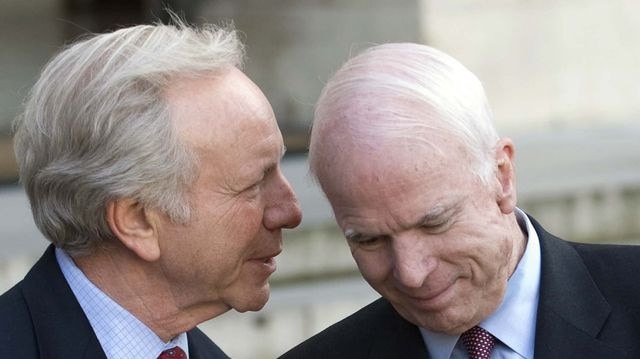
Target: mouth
[(432, 299), (267, 262)]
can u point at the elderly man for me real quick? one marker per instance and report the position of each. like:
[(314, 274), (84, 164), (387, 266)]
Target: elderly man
[(152, 165), (425, 193)]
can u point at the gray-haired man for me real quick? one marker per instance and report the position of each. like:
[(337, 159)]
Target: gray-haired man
[(152, 164), (425, 193)]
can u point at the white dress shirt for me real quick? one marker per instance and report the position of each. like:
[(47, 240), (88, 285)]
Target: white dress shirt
[(121, 335), (514, 322)]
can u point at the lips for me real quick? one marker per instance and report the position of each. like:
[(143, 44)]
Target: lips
[(430, 298), (268, 256), (267, 262), (422, 298)]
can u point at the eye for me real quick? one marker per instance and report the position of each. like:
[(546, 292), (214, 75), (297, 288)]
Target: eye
[(257, 186), (253, 190), (369, 242), (436, 227)]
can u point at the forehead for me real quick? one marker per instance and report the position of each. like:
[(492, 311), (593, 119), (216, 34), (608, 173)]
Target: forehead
[(218, 106), (229, 124), (213, 99), (397, 181), (379, 157)]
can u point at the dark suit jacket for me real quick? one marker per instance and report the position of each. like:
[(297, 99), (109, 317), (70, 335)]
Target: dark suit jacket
[(41, 318), (589, 308)]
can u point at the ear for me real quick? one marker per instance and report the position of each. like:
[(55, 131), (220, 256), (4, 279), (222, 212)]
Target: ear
[(132, 224), (506, 175)]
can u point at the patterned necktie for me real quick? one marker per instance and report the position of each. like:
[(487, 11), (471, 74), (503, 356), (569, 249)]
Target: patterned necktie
[(173, 353), (478, 342)]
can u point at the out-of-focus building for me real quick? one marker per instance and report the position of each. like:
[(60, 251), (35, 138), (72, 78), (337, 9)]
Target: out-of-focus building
[(545, 64), (562, 79)]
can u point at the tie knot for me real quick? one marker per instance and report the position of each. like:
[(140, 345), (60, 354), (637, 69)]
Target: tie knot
[(173, 353), (478, 342)]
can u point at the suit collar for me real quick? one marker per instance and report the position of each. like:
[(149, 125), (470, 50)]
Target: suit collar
[(572, 309), (571, 312), (53, 306), (201, 347), (61, 327)]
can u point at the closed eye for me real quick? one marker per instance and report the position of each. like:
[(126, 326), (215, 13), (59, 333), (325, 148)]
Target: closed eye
[(436, 227), (253, 190), (368, 242), (256, 186)]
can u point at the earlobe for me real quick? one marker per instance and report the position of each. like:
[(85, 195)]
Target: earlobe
[(505, 172), (130, 222)]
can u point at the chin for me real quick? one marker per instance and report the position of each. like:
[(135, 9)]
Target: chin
[(441, 322), (253, 303), (252, 307)]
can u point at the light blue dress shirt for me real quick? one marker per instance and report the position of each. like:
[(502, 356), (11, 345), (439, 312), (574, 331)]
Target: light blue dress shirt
[(514, 322), (121, 335)]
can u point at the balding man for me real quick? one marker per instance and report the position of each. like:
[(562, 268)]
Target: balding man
[(424, 190)]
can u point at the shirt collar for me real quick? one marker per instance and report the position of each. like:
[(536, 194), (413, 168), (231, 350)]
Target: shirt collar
[(119, 332), (520, 301)]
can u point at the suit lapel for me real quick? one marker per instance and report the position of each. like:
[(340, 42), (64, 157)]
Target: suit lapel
[(397, 338), (201, 347), (60, 325), (571, 311)]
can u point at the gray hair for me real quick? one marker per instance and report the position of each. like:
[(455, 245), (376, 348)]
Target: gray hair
[(404, 91), (96, 127)]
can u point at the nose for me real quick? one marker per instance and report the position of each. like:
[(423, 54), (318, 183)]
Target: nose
[(283, 211), (412, 262)]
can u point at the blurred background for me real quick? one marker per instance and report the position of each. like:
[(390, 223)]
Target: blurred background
[(563, 79)]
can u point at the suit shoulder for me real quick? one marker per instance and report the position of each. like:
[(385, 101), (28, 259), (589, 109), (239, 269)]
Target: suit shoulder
[(348, 338), (17, 336), (13, 310), (614, 268), (622, 259)]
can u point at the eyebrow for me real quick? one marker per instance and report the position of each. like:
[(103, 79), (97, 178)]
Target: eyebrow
[(433, 217), (351, 234), (354, 236), (269, 166), (436, 214)]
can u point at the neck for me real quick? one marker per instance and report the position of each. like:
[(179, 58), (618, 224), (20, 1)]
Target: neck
[(519, 242), (141, 288)]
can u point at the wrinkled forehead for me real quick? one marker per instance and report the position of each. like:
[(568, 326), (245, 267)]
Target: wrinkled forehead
[(376, 121), (219, 106), (389, 167), (392, 186), (361, 148)]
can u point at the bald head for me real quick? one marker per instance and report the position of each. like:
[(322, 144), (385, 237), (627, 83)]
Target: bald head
[(398, 98), (420, 184)]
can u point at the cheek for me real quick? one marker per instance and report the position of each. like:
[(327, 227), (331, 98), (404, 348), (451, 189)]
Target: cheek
[(238, 218), (494, 258), (374, 265), (220, 238), (247, 209), (477, 251), (505, 252)]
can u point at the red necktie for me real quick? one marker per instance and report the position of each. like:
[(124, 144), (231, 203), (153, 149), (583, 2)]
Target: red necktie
[(173, 353), (478, 342)]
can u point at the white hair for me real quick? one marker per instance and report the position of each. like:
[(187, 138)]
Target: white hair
[(96, 127), (405, 91)]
